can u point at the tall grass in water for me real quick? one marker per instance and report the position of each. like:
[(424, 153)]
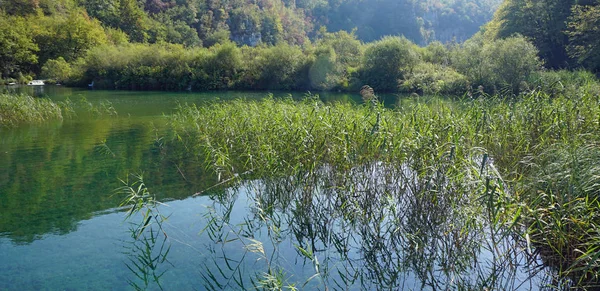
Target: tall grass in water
[(438, 141), (149, 247), (564, 195), (17, 109)]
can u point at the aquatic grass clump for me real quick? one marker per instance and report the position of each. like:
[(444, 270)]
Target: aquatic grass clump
[(512, 131), (564, 194), (404, 180), (442, 144), (378, 227), (283, 137), (17, 109)]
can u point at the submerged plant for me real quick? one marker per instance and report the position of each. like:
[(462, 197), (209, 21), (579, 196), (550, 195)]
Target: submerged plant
[(149, 247)]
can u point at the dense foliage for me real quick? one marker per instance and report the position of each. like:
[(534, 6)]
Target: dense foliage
[(336, 61), (48, 29), (564, 31)]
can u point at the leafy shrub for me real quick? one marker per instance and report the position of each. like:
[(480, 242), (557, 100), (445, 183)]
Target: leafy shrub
[(496, 65), (325, 72), (436, 53), (428, 78), (277, 67), (388, 60), (57, 70)]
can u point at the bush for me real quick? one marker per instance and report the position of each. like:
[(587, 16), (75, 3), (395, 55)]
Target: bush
[(325, 72), (386, 61), (57, 70), (277, 68), (436, 53), (571, 83), (428, 78), (221, 66), (140, 66), (498, 65)]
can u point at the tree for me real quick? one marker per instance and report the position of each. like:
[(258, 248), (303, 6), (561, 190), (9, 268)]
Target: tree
[(386, 61), (499, 64), (132, 20), (325, 72), (584, 36), (541, 21), (58, 70), (17, 49), (511, 61), (271, 29), (69, 37), (277, 66), (222, 65)]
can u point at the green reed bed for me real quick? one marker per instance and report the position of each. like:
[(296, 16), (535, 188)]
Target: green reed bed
[(16, 109), (280, 137), (551, 200)]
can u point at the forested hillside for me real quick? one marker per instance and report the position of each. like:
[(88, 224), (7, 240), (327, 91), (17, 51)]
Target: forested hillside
[(35, 31), (566, 32)]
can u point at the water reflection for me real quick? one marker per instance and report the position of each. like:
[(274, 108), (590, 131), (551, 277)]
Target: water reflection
[(56, 175), (376, 227)]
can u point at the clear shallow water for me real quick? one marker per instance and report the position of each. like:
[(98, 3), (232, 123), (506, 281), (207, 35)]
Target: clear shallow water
[(61, 227)]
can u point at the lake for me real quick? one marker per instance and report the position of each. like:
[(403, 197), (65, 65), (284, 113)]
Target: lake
[(62, 226)]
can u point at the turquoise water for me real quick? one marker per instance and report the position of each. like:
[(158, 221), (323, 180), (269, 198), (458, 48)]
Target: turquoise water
[(62, 226)]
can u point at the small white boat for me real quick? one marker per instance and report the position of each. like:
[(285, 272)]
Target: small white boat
[(36, 83)]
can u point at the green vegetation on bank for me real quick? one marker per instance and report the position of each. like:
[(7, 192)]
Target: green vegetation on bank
[(43, 33), (543, 146), (336, 61), (565, 31), (285, 45)]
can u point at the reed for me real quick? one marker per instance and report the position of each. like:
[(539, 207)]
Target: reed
[(16, 109), (450, 156)]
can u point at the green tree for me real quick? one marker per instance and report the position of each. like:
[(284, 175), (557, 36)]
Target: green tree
[(278, 66), (511, 61), (222, 66), (499, 64), (325, 72), (336, 56), (584, 36), (346, 45), (271, 29), (132, 20), (69, 37), (17, 49), (541, 21), (386, 61), (58, 70)]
